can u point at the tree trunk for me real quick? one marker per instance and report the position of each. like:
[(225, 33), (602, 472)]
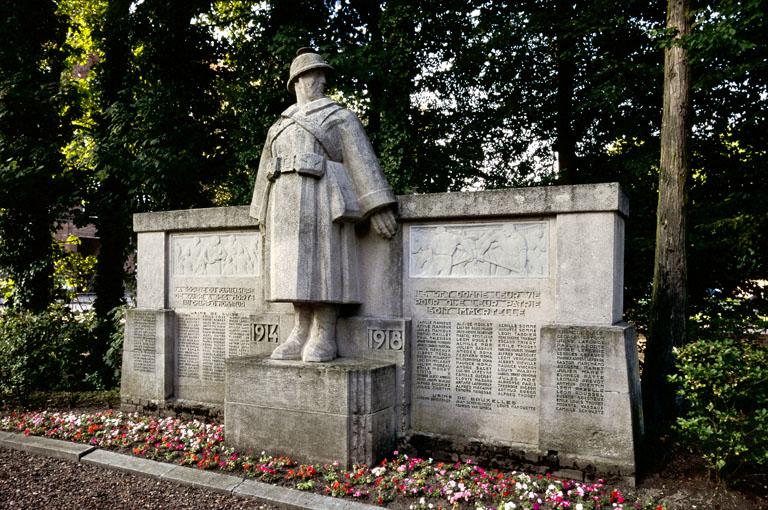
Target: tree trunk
[(667, 321), (565, 67), (111, 205)]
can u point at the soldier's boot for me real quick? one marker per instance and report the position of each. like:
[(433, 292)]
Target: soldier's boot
[(291, 349), (321, 345)]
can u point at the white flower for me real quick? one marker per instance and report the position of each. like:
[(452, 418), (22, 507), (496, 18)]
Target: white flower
[(509, 505), (579, 506)]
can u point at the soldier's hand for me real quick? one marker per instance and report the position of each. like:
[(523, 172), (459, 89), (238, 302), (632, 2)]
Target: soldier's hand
[(384, 223)]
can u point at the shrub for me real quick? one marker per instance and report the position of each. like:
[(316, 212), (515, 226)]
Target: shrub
[(724, 386), (45, 351), (114, 355)]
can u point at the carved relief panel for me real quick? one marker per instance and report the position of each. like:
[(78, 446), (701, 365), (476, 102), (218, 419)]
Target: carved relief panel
[(480, 250)]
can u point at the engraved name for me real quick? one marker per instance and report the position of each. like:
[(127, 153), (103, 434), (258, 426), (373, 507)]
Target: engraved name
[(580, 372), (144, 325)]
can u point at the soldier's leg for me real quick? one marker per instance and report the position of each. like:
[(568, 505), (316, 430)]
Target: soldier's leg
[(321, 345), (291, 349)]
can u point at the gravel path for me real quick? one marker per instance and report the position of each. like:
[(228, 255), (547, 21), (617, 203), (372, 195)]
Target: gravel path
[(35, 482)]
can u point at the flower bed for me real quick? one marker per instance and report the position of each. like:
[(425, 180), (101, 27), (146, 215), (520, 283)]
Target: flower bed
[(423, 483)]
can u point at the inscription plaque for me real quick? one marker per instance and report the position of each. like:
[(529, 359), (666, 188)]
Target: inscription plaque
[(580, 371), (206, 338), (476, 302), (238, 335), (212, 341), (144, 333), (188, 351), (517, 362), (477, 364), (474, 357), (433, 360), (509, 249), (213, 296)]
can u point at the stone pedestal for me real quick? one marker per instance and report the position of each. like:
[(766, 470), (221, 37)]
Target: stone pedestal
[(590, 397), (148, 357), (343, 410)]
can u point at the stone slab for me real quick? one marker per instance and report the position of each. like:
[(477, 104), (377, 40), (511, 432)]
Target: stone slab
[(294, 499), (148, 355), (46, 446), (151, 274), (343, 410), (590, 404), (383, 339), (194, 219), (590, 268), (336, 387), (127, 464), (495, 203), (519, 201), (210, 480)]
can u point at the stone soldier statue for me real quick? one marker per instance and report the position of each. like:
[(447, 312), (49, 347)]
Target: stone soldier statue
[(318, 176)]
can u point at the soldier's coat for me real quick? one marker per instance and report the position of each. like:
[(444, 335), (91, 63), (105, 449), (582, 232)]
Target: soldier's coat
[(309, 215)]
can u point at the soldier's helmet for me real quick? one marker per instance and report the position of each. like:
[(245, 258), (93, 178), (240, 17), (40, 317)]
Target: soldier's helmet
[(306, 60)]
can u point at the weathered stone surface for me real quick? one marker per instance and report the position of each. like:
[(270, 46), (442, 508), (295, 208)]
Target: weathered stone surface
[(194, 219), (548, 200), (151, 268), (472, 280), (589, 408), (127, 464), (342, 410), (148, 355), (45, 446), (205, 479), (294, 499), (590, 268), (384, 340)]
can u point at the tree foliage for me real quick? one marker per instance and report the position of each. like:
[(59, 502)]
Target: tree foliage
[(33, 185), (114, 107)]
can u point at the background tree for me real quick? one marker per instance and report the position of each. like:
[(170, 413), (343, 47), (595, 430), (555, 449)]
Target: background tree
[(152, 105), (34, 190), (667, 318)]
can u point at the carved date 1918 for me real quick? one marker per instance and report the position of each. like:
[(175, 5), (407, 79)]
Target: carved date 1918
[(385, 339)]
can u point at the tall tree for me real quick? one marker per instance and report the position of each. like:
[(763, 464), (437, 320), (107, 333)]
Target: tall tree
[(33, 188), (109, 206), (668, 319)]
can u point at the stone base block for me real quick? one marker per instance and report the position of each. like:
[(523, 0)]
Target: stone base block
[(148, 355), (591, 416), (342, 410)]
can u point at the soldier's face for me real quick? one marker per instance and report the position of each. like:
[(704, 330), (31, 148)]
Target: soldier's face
[(311, 83)]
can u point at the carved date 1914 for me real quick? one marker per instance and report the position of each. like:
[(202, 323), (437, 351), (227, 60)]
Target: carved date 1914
[(265, 333)]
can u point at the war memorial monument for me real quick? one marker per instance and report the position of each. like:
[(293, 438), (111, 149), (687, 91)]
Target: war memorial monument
[(332, 319)]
